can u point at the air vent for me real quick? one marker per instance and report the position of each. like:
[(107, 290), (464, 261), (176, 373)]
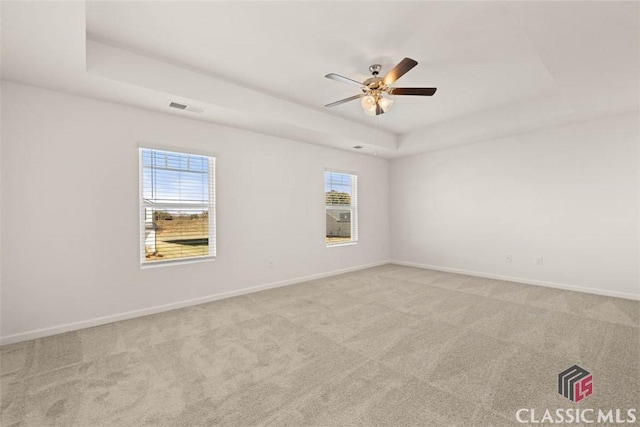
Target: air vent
[(188, 108), (357, 147)]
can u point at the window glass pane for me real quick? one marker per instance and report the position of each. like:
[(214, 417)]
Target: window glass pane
[(146, 157), (175, 183), (338, 225), (340, 200), (159, 159), (176, 233), (198, 163), (338, 188), (174, 161), (176, 206)]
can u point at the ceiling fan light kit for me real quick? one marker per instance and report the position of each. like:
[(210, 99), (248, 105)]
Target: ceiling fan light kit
[(370, 104), (371, 99)]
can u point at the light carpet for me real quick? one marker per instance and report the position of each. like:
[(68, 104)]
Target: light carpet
[(386, 346)]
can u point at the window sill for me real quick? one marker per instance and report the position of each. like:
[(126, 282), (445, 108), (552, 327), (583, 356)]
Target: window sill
[(194, 260), (333, 245)]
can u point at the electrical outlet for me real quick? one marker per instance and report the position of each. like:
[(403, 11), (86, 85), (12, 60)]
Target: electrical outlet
[(508, 258), (539, 261)]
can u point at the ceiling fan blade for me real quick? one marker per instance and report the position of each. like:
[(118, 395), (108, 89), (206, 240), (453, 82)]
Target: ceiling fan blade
[(399, 70), (343, 79), (342, 101), (422, 91)]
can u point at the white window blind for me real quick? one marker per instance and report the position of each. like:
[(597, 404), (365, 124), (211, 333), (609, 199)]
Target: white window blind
[(177, 206), (341, 206)]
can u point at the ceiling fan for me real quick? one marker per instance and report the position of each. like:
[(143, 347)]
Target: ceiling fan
[(374, 87)]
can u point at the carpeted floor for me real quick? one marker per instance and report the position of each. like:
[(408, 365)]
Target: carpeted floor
[(387, 346)]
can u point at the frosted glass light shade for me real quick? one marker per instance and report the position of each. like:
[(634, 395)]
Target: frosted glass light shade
[(385, 104), (370, 111), (368, 102)]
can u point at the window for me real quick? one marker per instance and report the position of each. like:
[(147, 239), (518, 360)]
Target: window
[(177, 206), (341, 200)]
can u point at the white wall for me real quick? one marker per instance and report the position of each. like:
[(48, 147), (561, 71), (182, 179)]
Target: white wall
[(70, 211), (567, 194)]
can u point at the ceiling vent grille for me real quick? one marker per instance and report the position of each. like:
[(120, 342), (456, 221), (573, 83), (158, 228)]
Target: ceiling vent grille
[(188, 108)]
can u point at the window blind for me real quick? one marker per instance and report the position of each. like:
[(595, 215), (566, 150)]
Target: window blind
[(177, 206), (341, 207)]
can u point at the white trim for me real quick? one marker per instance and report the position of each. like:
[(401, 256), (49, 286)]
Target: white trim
[(195, 206), (175, 149), (335, 245), (67, 327), (213, 218), (341, 171), (574, 288), (174, 261)]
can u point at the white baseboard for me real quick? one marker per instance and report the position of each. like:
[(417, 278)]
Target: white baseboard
[(67, 327), (521, 280)]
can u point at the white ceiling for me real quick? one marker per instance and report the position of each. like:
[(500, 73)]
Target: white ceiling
[(472, 52), (500, 67)]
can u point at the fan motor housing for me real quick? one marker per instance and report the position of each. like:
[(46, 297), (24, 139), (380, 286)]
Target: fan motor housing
[(373, 82)]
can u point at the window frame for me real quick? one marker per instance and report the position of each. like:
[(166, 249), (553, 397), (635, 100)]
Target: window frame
[(353, 207), (211, 206)]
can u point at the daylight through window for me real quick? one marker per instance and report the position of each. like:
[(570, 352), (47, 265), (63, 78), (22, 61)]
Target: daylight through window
[(341, 201), (177, 206)]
